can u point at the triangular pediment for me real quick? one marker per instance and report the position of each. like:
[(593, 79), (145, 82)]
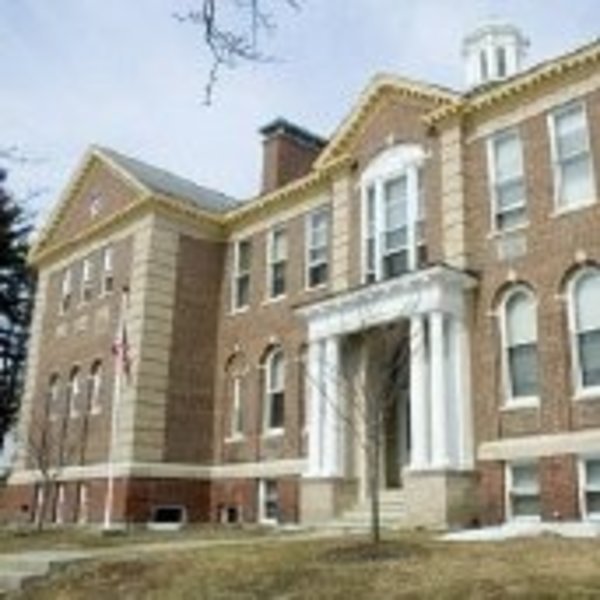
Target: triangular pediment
[(97, 191), (382, 89)]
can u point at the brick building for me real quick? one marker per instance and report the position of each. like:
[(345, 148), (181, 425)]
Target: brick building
[(438, 257)]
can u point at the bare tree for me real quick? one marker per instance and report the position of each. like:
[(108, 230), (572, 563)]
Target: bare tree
[(233, 31), (370, 400)]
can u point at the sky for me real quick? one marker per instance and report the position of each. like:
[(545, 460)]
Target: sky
[(126, 74)]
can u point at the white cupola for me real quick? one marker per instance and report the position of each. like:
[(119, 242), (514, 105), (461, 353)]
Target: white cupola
[(493, 52)]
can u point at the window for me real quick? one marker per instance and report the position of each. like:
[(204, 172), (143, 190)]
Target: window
[(66, 290), (82, 504), (585, 327), (501, 62), (73, 393), (87, 280), (590, 487), (277, 258), (236, 425), (95, 387), (59, 506), (241, 274), (53, 396), (269, 501), (393, 214), (395, 232), (317, 248), (275, 390), (573, 179), (370, 234), (523, 491), (96, 204), (108, 278), (507, 178), (483, 66), (520, 345)]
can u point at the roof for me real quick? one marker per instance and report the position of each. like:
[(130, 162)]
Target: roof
[(168, 184)]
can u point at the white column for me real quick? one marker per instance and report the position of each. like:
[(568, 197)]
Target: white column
[(334, 420), (419, 396), (465, 445), (314, 392), (439, 407)]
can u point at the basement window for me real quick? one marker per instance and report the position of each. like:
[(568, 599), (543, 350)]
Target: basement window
[(168, 517), (523, 491), (590, 485)]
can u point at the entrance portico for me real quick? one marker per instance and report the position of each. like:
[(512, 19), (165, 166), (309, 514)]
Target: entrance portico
[(433, 302)]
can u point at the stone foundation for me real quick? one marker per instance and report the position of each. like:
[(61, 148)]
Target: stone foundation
[(441, 499), (322, 500)]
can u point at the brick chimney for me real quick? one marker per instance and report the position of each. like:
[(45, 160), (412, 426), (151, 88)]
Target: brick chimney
[(288, 153)]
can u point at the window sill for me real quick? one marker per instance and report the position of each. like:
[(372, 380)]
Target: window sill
[(234, 439), (274, 300), (520, 404), (234, 312), (565, 210), (585, 395), (500, 233), (274, 433), (316, 288)]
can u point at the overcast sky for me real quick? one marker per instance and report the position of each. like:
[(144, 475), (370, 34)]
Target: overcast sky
[(125, 74)]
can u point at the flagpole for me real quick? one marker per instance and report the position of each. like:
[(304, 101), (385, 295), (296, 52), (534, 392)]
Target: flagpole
[(116, 404)]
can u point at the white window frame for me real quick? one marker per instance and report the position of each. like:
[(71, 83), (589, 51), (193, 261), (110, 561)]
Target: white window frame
[(509, 489), (308, 261), (584, 487), (494, 183), (82, 503), (581, 392), (263, 485), (74, 391), (87, 280), (394, 163), (66, 290), (269, 391), (238, 274), (272, 263), (108, 270), (59, 509), (510, 401), (53, 396), (560, 208), (236, 415)]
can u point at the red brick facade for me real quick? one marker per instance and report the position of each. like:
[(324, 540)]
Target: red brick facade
[(183, 417)]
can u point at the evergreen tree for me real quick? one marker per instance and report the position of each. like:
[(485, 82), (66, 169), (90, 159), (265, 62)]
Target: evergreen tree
[(16, 295)]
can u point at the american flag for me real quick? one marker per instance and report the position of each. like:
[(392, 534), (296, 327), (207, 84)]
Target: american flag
[(120, 346)]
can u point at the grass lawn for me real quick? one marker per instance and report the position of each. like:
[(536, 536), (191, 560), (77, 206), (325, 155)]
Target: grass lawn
[(408, 566), (23, 540)]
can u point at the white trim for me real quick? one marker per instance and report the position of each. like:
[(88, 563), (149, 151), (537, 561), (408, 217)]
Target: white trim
[(493, 179), (438, 288), (324, 209), (583, 486), (511, 402), (585, 441), (237, 274), (270, 296), (560, 208), (580, 392), (400, 161), (249, 470), (509, 489)]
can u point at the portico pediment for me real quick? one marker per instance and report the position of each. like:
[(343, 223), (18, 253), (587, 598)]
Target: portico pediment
[(436, 289)]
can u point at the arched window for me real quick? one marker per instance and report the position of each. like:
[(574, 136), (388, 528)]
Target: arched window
[(53, 395), (520, 336), (73, 393), (274, 390), (585, 329), (95, 387)]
